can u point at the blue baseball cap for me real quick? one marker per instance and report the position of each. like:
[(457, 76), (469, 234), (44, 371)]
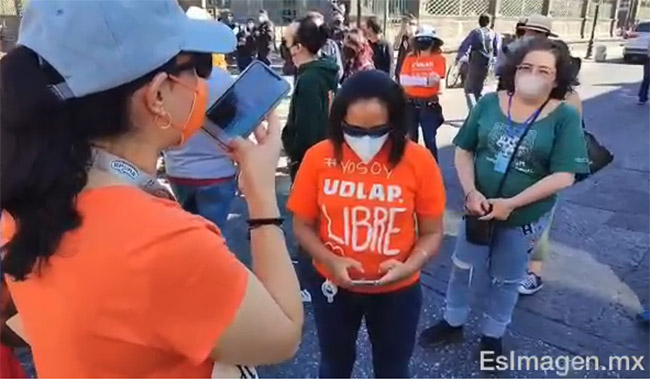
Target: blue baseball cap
[(98, 45)]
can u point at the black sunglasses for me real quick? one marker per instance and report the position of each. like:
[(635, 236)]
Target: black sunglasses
[(199, 62), (379, 130)]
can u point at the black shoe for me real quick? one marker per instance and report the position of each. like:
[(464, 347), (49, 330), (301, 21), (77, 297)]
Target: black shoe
[(489, 349), (531, 284), (441, 332)]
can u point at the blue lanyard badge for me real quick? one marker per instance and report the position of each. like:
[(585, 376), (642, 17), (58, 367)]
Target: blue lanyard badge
[(515, 133)]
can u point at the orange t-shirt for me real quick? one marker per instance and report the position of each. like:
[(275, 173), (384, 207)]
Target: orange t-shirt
[(423, 66), (142, 289), (368, 211)]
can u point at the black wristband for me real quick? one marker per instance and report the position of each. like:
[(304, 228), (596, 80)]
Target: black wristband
[(259, 222)]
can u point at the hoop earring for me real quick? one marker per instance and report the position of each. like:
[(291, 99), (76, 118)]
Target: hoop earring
[(169, 121)]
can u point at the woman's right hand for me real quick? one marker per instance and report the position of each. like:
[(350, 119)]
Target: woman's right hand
[(258, 162), (476, 204), (339, 269)]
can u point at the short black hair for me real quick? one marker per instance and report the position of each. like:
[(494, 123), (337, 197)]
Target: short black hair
[(371, 84), (311, 34), (564, 65), (373, 24), (484, 20)]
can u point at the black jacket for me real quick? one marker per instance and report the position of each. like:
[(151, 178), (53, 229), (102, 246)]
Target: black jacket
[(382, 55), (316, 84), (265, 36)]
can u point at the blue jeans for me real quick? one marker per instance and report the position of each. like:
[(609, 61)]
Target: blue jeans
[(391, 320), (211, 202), (427, 116), (506, 262), (645, 84)]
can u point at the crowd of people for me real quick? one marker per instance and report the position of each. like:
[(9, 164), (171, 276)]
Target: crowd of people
[(99, 256)]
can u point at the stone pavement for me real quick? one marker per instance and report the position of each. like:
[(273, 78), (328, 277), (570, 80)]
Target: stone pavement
[(596, 277)]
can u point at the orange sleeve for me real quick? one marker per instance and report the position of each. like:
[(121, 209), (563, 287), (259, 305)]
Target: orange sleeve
[(430, 193), (441, 66), (303, 199), (196, 289)]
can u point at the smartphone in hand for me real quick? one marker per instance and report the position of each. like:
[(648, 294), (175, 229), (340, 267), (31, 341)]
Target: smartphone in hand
[(245, 104)]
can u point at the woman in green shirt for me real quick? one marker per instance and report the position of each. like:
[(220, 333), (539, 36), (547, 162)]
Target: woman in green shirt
[(537, 78)]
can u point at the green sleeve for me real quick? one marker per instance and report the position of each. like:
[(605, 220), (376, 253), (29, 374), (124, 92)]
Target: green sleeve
[(569, 152), (467, 137), (311, 114)]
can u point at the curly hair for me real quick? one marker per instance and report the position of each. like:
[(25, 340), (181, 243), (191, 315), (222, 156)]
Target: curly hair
[(564, 65)]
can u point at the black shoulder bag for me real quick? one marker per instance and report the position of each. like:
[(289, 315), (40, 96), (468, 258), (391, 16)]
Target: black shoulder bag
[(481, 232), (599, 156)]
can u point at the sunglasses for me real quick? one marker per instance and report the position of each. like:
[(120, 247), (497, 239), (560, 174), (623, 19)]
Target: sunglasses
[(201, 63), (353, 130)]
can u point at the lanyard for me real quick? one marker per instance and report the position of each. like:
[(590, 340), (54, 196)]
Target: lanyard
[(531, 119), (129, 173)]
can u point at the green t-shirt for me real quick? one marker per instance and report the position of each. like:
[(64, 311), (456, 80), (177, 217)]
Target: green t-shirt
[(555, 143)]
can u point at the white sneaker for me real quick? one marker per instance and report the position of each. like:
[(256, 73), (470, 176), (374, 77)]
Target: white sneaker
[(531, 284)]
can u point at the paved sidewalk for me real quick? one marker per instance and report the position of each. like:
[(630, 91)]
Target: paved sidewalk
[(596, 277)]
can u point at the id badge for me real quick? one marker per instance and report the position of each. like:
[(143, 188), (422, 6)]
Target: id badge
[(501, 164)]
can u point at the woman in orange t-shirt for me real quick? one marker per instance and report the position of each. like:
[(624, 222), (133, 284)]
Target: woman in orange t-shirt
[(421, 76), (368, 207), (110, 277)]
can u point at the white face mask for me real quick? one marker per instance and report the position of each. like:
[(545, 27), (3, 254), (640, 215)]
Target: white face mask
[(366, 147), (531, 85)]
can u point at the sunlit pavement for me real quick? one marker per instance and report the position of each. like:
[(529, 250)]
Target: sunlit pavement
[(596, 278)]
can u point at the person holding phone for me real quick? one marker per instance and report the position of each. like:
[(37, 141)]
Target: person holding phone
[(110, 277), (421, 75), (529, 113), (200, 172), (368, 206), (316, 83)]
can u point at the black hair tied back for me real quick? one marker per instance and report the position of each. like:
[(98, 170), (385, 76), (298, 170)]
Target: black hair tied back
[(312, 33), (46, 152)]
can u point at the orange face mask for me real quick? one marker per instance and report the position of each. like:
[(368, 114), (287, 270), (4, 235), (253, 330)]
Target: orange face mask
[(197, 112)]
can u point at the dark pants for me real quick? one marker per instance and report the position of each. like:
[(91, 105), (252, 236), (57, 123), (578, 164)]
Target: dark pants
[(428, 117), (477, 73), (391, 320), (263, 55), (645, 85), (243, 62)]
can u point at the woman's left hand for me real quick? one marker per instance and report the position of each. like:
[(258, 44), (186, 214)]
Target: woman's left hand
[(501, 209), (394, 271)]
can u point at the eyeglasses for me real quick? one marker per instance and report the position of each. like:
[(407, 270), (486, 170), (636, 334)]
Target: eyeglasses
[(542, 70)]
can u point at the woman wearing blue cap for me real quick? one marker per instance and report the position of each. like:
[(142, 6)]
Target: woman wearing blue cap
[(110, 277)]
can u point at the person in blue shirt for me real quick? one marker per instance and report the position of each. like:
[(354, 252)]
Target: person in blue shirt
[(481, 45)]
